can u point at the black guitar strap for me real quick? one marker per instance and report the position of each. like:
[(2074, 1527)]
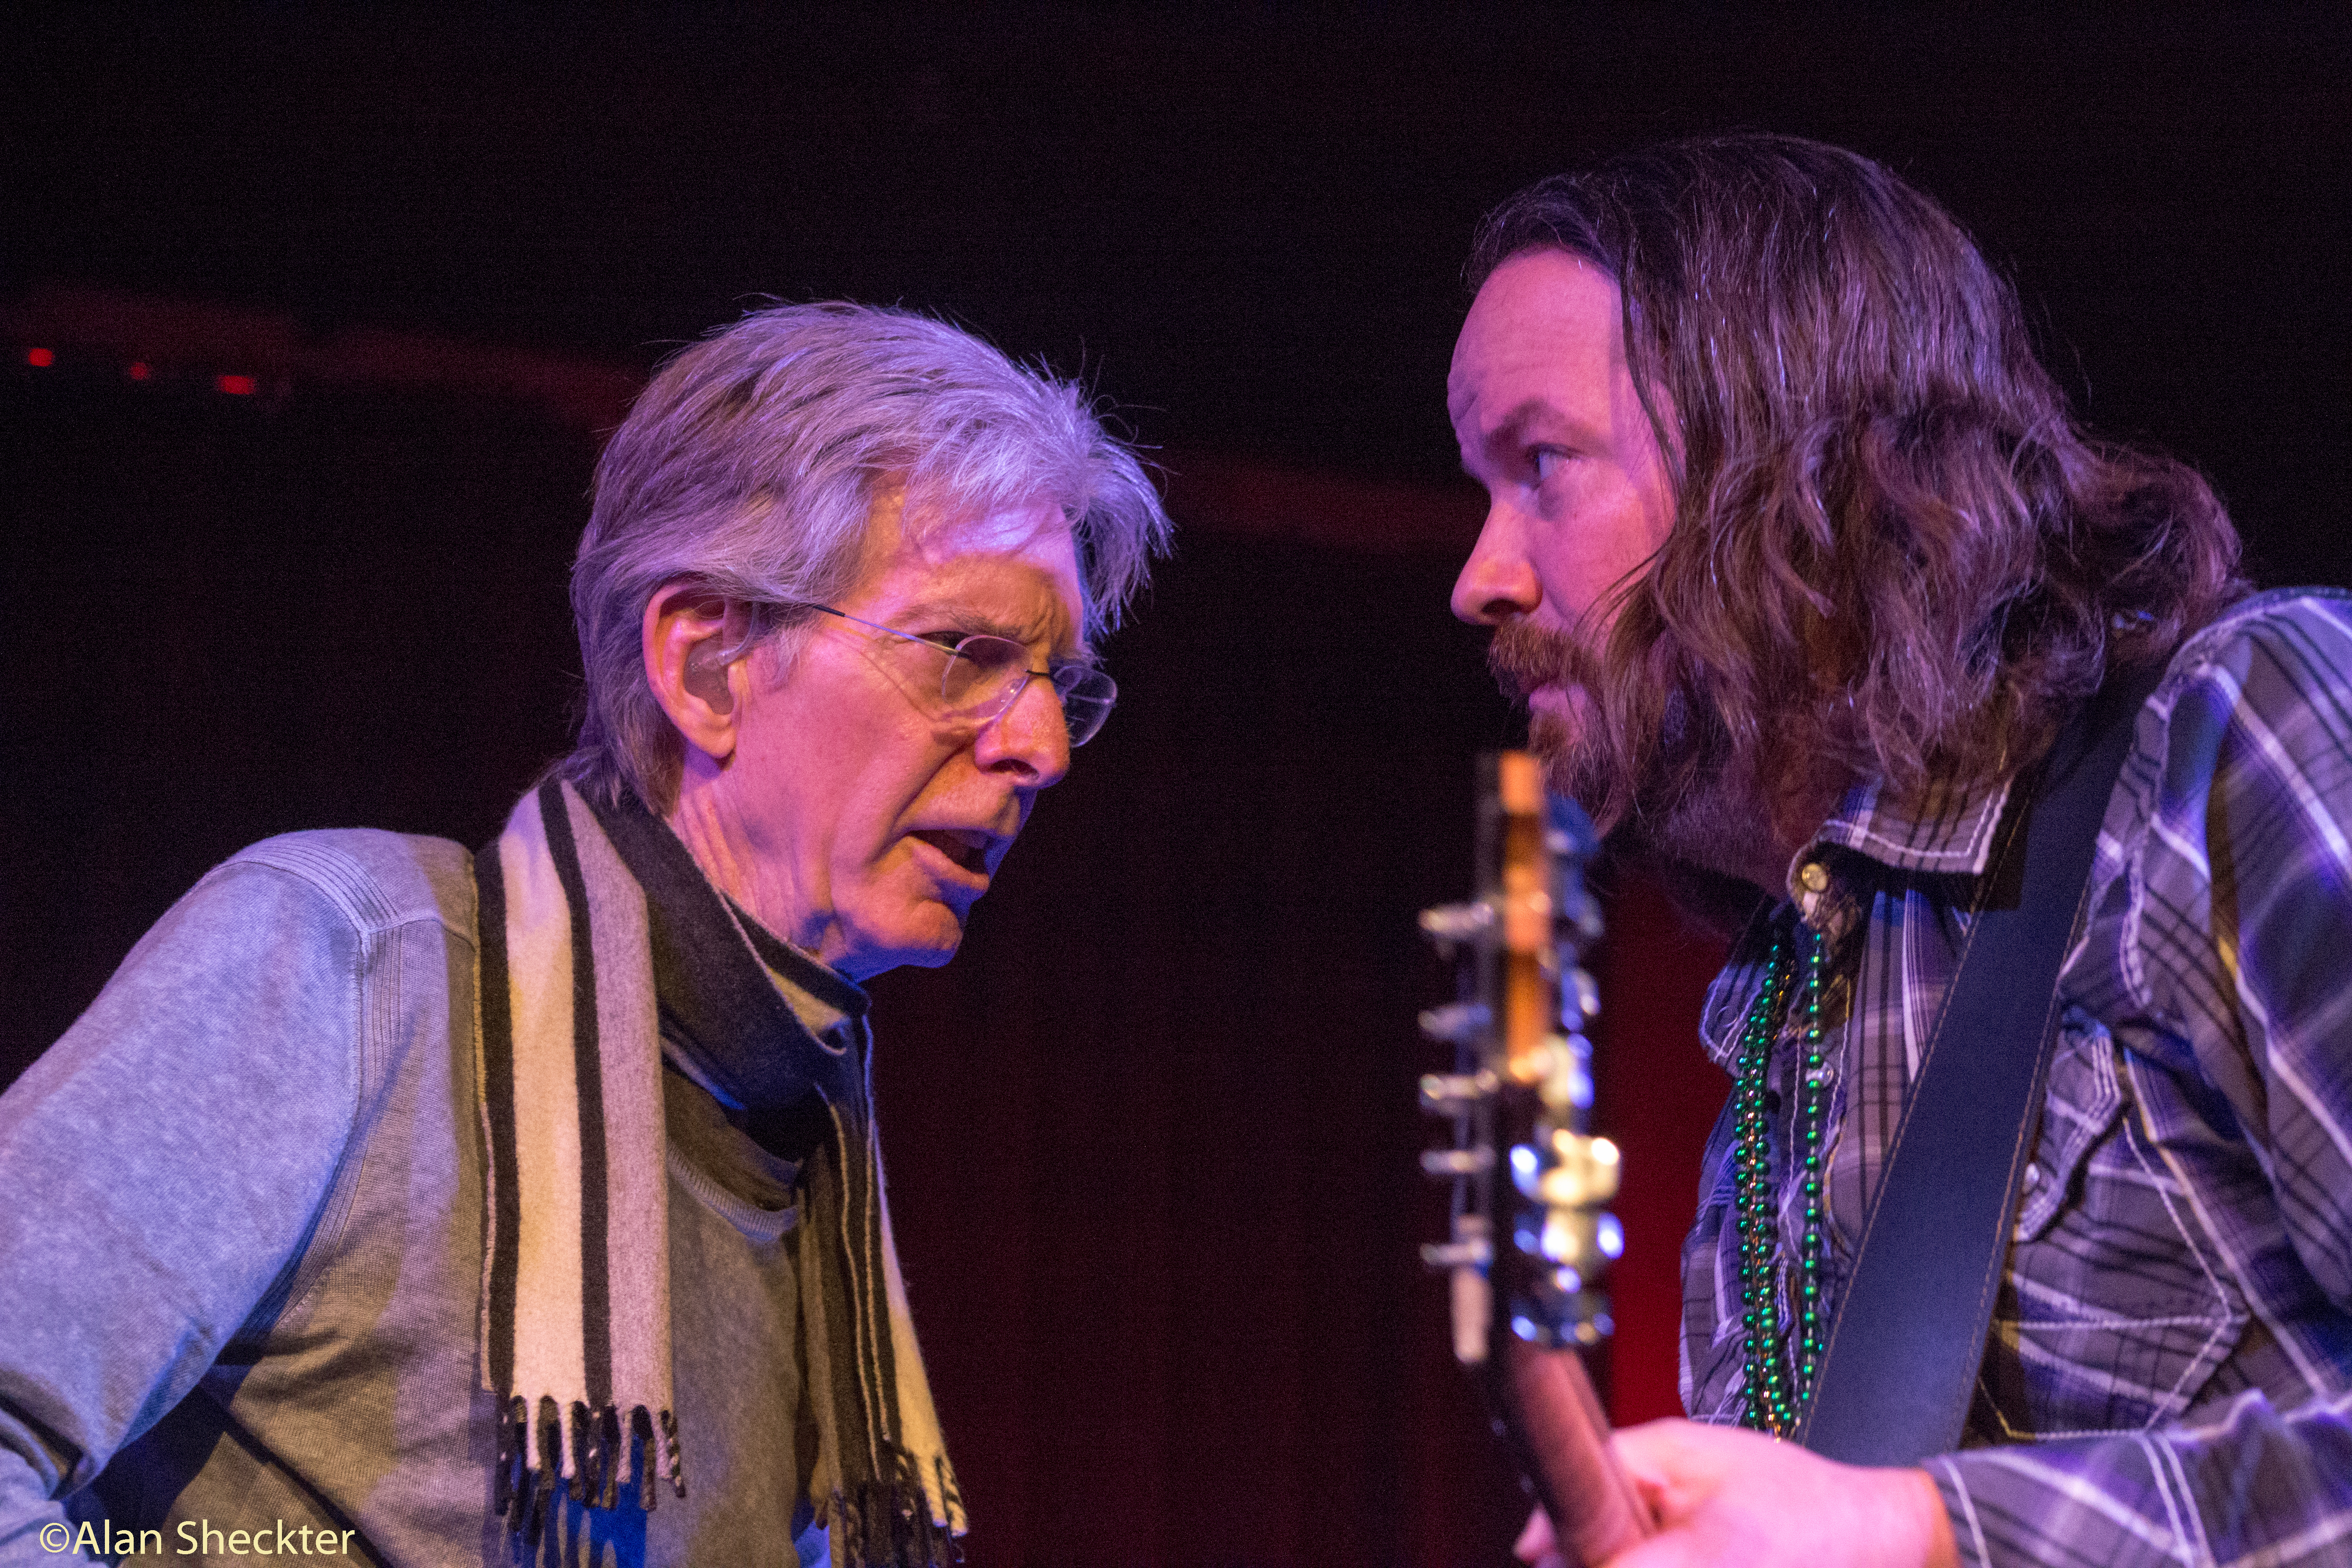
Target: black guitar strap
[(1900, 1365)]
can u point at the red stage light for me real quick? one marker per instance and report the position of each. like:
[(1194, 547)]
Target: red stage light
[(137, 370), (40, 359), (235, 385)]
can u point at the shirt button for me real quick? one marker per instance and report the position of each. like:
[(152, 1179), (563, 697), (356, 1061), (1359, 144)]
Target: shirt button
[(1814, 876), (2033, 1175)]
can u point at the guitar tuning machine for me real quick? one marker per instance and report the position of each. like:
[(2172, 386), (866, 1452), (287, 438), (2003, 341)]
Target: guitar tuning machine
[(1580, 911), (1574, 1173), (1456, 1023), (1446, 1164), (1469, 1248), (1583, 1245), (1452, 1093), (1551, 1316), (1449, 925), (1564, 1302), (1560, 1069), (1580, 997), (1464, 1260)]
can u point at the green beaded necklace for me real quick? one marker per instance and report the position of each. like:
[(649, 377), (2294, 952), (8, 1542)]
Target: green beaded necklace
[(1779, 1386)]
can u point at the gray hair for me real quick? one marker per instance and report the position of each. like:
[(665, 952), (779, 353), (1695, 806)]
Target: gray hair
[(753, 463)]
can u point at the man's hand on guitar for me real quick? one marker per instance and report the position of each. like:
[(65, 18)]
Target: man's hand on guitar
[(1721, 1495)]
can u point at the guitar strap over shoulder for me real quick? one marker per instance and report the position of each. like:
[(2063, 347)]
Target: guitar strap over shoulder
[(1906, 1343)]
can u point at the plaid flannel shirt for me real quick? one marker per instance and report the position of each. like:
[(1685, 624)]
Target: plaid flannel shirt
[(2169, 1377)]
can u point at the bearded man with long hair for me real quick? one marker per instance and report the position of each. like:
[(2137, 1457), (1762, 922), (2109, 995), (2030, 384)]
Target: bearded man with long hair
[(1805, 569)]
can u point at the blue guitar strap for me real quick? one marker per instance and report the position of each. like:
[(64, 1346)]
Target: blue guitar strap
[(1906, 1343)]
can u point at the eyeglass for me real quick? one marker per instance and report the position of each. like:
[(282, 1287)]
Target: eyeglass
[(984, 677)]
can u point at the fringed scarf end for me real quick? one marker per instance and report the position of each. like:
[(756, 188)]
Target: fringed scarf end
[(595, 1461), (512, 1469), (890, 1524), (603, 1454), (677, 1459), (641, 1456), (612, 1458)]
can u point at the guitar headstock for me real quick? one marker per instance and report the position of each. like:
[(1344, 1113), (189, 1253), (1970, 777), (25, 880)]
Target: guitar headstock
[(1531, 1238)]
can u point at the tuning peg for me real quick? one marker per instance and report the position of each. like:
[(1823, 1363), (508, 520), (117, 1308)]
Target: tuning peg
[(1449, 923), (1560, 1069), (1466, 1258), (1551, 1316), (1450, 1093), (1445, 1163), (1574, 1172), (1456, 1023), (1579, 1241), (1570, 1236), (1567, 829), (1476, 1253), (1583, 910), (1579, 998)]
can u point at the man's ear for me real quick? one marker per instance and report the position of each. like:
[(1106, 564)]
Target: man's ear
[(687, 626)]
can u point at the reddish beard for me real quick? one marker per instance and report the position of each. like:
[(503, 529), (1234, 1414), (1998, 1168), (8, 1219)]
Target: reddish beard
[(1576, 760), (1676, 793)]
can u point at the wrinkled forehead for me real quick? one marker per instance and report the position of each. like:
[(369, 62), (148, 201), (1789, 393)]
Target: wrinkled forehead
[(1027, 547), (943, 528), (1038, 525)]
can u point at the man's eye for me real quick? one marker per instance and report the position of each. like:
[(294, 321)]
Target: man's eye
[(1545, 461), (994, 653), (979, 650)]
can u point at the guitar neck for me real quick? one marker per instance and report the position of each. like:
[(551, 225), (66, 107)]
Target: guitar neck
[(1531, 1236), (1558, 1433)]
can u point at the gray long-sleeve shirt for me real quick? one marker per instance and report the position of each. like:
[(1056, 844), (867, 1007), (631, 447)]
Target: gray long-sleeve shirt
[(241, 1252)]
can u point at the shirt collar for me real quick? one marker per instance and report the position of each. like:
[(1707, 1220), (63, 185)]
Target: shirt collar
[(1944, 829)]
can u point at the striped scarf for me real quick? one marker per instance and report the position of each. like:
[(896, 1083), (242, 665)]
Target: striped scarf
[(576, 1291)]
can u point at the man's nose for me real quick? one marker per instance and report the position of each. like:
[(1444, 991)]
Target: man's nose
[(1498, 581), (1031, 736)]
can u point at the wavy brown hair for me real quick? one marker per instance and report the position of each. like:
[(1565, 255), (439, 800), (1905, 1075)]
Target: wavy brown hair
[(1895, 552)]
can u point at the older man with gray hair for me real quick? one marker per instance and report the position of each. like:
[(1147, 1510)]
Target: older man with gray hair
[(397, 1204)]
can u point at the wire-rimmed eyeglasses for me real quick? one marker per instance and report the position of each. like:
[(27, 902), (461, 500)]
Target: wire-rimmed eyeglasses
[(984, 675)]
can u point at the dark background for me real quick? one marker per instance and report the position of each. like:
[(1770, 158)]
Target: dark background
[(1151, 1136)]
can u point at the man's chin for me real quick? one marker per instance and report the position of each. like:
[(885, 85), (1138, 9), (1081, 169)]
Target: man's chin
[(1569, 767), (925, 937)]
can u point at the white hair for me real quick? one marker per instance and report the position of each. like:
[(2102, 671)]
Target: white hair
[(753, 464)]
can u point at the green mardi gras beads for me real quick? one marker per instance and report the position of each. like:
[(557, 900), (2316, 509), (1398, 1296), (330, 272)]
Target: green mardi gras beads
[(1780, 1384)]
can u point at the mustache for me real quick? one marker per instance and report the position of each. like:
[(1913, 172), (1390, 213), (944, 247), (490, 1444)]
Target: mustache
[(1524, 656)]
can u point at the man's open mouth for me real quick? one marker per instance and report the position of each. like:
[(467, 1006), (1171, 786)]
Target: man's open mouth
[(967, 846)]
